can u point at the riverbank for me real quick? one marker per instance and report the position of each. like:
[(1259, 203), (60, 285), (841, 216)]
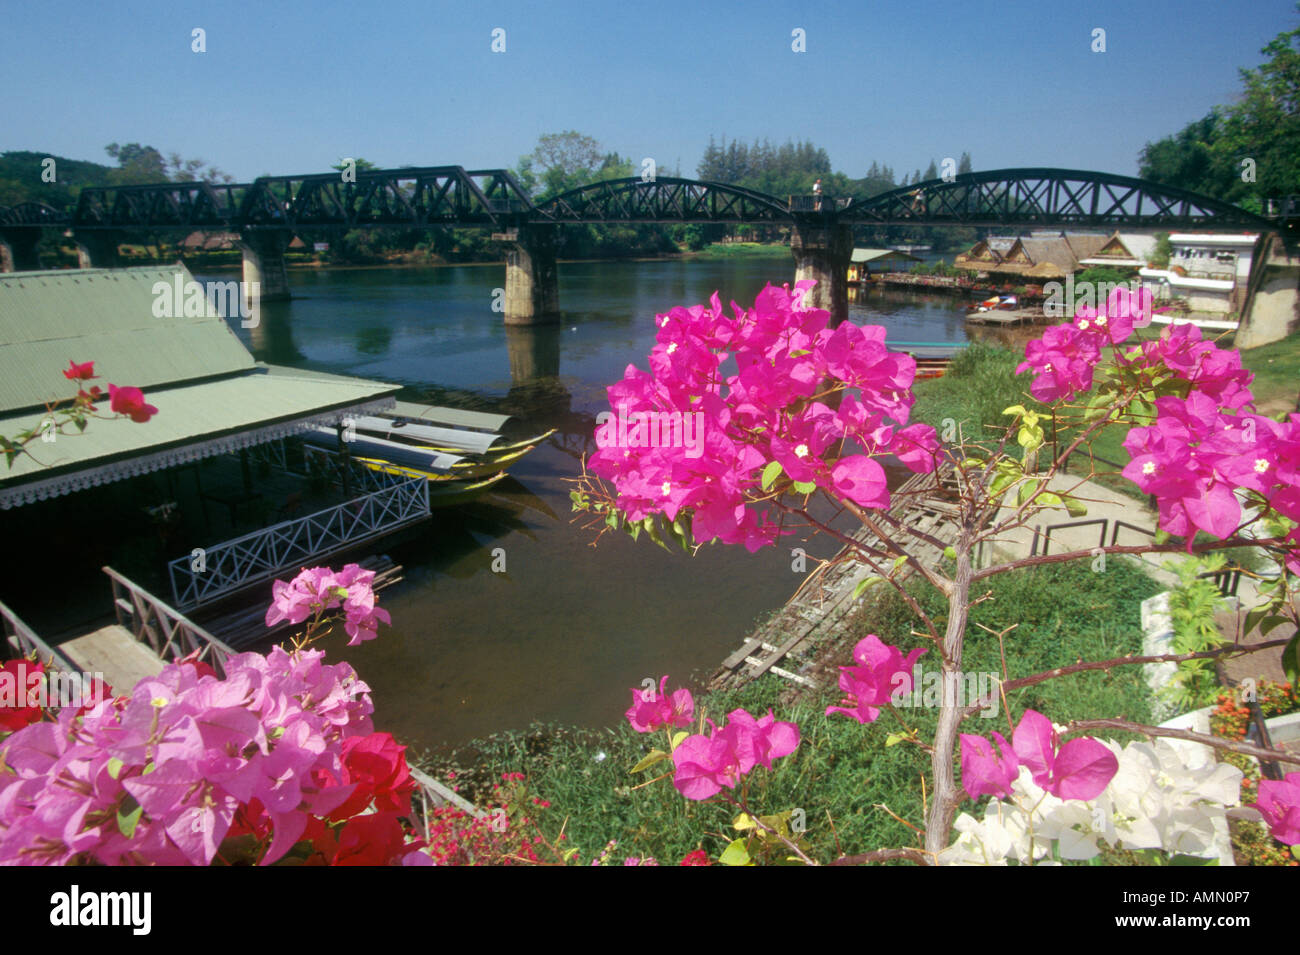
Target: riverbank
[(841, 769)]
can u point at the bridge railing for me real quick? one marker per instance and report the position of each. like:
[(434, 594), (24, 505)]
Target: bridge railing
[(822, 203), (22, 641), (234, 564), (170, 634)]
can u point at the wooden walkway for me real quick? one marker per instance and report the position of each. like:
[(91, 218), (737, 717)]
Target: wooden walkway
[(116, 654), (148, 633), (995, 316), (817, 612)]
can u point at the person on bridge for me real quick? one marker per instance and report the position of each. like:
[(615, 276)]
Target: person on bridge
[(817, 196)]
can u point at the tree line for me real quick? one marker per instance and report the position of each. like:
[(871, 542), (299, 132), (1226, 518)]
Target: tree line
[(1244, 152)]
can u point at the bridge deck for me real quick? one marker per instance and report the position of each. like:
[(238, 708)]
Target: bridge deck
[(114, 652)]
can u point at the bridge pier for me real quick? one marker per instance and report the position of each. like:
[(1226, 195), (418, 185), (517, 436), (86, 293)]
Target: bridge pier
[(96, 250), (18, 250), (1271, 310), (264, 263), (532, 278), (823, 253)]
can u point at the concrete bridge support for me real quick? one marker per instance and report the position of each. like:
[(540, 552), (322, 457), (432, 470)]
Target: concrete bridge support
[(823, 253), (532, 278), (1271, 311), (18, 250), (264, 263), (97, 250)]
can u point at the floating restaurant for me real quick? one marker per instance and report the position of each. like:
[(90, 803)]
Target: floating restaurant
[(247, 471)]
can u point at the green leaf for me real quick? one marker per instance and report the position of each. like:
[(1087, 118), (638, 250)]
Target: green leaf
[(864, 584), (736, 854), (805, 487), (1027, 491), (1014, 409), (743, 822), (1193, 860), (114, 767), (898, 562), (1269, 624), (1162, 537), (1075, 506), (1031, 435), (1291, 660), (654, 756), (950, 552), (652, 528), (126, 821), (678, 737), (770, 473), (894, 739)]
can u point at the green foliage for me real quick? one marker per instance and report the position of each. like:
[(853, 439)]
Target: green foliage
[(1101, 275), (1192, 606), (1262, 125), (1162, 251), (979, 383)]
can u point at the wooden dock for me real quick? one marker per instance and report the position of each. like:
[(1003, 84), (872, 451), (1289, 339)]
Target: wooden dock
[(148, 633), (815, 615), (115, 653), (996, 316)]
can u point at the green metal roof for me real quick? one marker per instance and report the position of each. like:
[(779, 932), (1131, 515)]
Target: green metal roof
[(107, 316), (193, 421)]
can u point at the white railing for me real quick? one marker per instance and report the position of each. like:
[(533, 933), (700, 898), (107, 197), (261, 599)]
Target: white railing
[(22, 640), (167, 632), (224, 568)]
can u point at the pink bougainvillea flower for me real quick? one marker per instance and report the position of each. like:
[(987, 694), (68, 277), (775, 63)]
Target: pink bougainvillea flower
[(82, 372), (1279, 803), (707, 764), (861, 480), (984, 772), (882, 672), (651, 710), (1080, 769), (130, 402)]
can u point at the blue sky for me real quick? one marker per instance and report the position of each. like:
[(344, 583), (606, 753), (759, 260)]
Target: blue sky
[(290, 87)]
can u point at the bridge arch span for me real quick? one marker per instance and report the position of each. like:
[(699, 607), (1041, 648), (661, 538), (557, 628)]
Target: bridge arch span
[(1049, 197), (662, 199)]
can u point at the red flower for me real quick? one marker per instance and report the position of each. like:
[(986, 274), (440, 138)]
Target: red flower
[(374, 839), (20, 682), (75, 372), (378, 765), (698, 857), (130, 401)]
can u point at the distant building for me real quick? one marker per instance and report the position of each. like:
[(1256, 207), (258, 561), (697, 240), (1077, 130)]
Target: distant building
[(210, 242), (1123, 250), (1043, 254), (1208, 271), (884, 260)]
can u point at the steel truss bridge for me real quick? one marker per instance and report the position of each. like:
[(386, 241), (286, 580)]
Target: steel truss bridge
[(425, 197)]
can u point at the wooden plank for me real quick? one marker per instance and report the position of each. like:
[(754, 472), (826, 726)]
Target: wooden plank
[(737, 658), (113, 651)]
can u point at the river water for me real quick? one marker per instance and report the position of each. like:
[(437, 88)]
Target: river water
[(567, 628)]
